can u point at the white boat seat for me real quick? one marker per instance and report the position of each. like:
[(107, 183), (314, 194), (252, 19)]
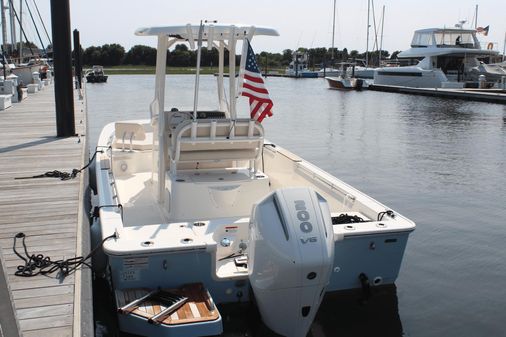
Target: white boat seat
[(132, 136), (216, 140)]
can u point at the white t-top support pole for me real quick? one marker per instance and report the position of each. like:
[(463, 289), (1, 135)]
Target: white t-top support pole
[(161, 66), (231, 72), (221, 88)]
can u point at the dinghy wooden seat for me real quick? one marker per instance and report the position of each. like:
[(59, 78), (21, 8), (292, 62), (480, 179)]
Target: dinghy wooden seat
[(199, 307)]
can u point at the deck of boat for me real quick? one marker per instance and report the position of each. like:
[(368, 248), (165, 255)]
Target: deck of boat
[(48, 210)]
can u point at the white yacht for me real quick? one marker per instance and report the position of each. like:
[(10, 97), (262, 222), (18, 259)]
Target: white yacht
[(198, 209), (438, 57), (298, 67)]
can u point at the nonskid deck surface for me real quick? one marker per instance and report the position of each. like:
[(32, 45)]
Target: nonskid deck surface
[(198, 308), (137, 198)]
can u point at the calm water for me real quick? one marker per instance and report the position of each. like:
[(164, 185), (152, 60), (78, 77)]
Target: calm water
[(440, 162)]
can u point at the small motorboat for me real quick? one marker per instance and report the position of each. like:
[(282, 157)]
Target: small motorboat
[(347, 80), (96, 75), (197, 209)]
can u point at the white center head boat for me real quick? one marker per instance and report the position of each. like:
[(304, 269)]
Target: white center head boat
[(198, 209)]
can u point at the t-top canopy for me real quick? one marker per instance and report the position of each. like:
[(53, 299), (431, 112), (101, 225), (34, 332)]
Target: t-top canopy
[(216, 32)]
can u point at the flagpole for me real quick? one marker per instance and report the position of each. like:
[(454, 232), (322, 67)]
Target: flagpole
[(197, 76), (242, 65)]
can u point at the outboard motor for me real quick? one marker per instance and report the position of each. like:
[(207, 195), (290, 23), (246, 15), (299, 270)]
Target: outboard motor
[(291, 258)]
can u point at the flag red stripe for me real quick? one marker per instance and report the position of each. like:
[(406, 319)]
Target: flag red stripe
[(251, 96), (267, 111), (253, 79), (257, 89)]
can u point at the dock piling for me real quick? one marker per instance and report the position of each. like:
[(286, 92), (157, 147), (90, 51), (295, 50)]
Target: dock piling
[(62, 59)]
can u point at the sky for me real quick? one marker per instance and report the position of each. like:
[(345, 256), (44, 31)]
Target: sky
[(300, 23)]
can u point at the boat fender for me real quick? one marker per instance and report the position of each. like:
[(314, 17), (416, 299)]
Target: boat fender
[(92, 178), (490, 46), (366, 286), (99, 259)]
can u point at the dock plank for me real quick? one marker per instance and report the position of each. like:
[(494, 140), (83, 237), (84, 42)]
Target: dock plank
[(47, 210)]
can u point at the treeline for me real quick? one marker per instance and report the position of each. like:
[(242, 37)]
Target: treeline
[(114, 55)]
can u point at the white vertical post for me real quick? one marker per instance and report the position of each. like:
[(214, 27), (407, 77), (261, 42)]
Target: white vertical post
[(333, 33), (231, 72), (367, 40), (244, 54), (21, 31), (221, 88), (381, 40), (197, 75), (504, 48), (161, 66)]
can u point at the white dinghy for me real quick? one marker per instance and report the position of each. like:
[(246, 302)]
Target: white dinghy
[(202, 210)]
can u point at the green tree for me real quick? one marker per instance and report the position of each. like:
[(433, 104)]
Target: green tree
[(140, 55)]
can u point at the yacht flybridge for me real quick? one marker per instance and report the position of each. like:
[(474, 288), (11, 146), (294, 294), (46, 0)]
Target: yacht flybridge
[(439, 57), (197, 209)]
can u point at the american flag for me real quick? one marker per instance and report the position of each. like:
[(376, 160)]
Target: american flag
[(253, 87), (482, 30)]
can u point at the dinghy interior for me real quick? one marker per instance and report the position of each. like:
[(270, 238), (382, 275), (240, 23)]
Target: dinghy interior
[(205, 211)]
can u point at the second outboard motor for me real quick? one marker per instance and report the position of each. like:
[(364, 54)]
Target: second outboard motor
[(291, 258)]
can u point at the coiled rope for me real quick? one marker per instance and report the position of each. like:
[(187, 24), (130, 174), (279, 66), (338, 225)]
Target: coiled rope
[(63, 175), (38, 264)]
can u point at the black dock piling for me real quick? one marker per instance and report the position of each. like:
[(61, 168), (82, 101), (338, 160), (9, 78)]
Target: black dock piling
[(62, 61), (78, 58)]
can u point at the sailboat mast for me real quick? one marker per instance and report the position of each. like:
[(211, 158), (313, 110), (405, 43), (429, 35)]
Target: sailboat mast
[(476, 17), (504, 48), (20, 31), (4, 27), (367, 41), (381, 38), (333, 31), (13, 25)]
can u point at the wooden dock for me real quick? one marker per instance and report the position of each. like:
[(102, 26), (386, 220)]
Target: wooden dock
[(49, 211), (479, 95)]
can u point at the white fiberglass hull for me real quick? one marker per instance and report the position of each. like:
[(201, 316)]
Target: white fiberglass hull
[(146, 233), (414, 77)]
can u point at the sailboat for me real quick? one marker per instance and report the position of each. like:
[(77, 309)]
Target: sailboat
[(366, 71), (331, 71), (197, 208)]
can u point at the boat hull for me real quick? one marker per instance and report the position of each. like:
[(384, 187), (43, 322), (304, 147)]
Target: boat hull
[(413, 77), (96, 79)]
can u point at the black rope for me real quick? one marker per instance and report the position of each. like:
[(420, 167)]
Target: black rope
[(38, 264), (63, 175), (346, 218), (96, 210), (388, 212)]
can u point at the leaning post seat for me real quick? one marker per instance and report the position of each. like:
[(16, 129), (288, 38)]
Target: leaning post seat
[(132, 135), (215, 140)]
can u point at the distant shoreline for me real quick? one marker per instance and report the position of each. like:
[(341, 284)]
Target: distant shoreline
[(150, 70)]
